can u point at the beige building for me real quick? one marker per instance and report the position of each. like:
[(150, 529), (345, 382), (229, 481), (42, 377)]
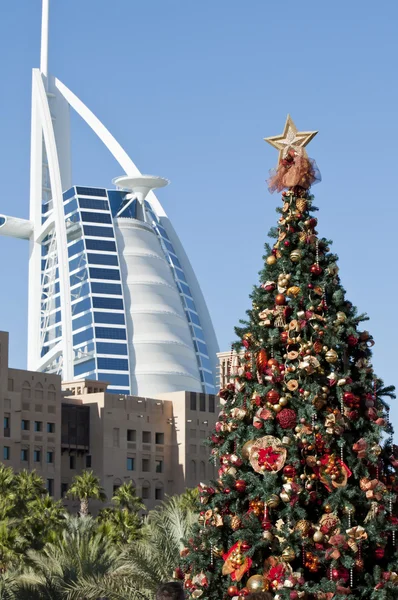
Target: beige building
[(30, 405), (157, 443), (61, 429)]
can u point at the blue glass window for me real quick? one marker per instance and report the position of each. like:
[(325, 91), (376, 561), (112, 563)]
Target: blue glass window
[(162, 231), (103, 259), (81, 306), (190, 303), (105, 348), (193, 317), (197, 332), (180, 275), (87, 191), (168, 246), (77, 262), (68, 194), (115, 378), (80, 292), (116, 198), (184, 288), (106, 288), (46, 207), (208, 377), (70, 207), (113, 364), (96, 217), (201, 347), (75, 248), (115, 303), (78, 277), (83, 336), (84, 367), (6, 453), (176, 262), (130, 464), (109, 317), (98, 273), (82, 321), (101, 245), (95, 204), (98, 231), (206, 363), (108, 333), (120, 391)]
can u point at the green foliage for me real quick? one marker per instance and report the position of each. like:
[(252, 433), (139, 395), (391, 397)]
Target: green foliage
[(86, 487)]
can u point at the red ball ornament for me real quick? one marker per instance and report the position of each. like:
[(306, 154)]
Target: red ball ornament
[(284, 337), (245, 546), (240, 485), (287, 243), (233, 591), (293, 595), (287, 418), (272, 362), (352, 340), (379, 553), (244, 592), (289, 471), (280, 300), (316, 269), (273, 397)]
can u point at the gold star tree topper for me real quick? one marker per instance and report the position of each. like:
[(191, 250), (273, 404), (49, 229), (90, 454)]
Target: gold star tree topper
[(291, 138)]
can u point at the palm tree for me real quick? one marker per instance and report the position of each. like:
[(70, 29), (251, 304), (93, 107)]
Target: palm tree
[(44, 521), (126, 498), (85, 487), (119, 526), (28, 486)]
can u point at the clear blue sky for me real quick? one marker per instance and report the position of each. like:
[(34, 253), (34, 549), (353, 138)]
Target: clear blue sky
[(190, 89)]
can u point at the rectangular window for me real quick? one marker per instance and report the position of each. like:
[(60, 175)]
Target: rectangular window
[(159, 438), (109, 317), (103, 259), (104, 245), (7, 424), (201, 347), (75, 248), (212, 403), (6, 453), (82, 306), (80, 292), (36, 456), (193, 318), (84, 367), (82, 321), (116, 437), (88, 461), (72, 462), (169, 246), (145, 492), (50, 487), (130, 464), (198, 332), (77, 263), (118, 379), (114, 289), (95, 204), (131, 435), (88, 191), (50, 457), (180, 275), (193, 401), (38, 426), (113, 364), (50, 427), (78, 277), (189, 303), (68, 194), (98, 273), (25, 425), (184, 288), (64, 489), (206, 364), (110, 334), (104, 348), (24, 455), (113, 303), (208, 378), (83, 336), (202, 403), (158, 493), (95, 231), (146, 465), (146, 437), (70, 207), (96, 217), (159, 466)]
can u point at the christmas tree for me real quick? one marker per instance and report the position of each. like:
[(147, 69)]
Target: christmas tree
[(305, 504)]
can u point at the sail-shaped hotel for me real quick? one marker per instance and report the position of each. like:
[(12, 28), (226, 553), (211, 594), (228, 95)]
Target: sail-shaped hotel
[(112, 295)]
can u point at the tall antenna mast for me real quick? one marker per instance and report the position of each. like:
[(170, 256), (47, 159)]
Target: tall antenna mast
[(44, 38)]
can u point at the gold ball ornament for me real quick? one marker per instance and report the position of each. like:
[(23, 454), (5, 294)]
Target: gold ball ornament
[(331, 356), (295, 255), (197, 593), (293, 291), (273, 501), (235, 523), (271, 259), (257, 583), (247, 449), (303, 526), (288, 554), (341, 317), (318, 536)]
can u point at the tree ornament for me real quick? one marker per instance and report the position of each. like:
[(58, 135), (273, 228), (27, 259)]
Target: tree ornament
[(261, 360), (331, 356), (288, 554), (280, 300), (268, 455), (271, 260), (293, 291), (341, 317), (235, 523), (257, 583), (233, 591), (273, 397), (273, 501), (296, 255), (287, 418), (316, 269), (301, 204), (303, 527), (240, 485), (247, 449)]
